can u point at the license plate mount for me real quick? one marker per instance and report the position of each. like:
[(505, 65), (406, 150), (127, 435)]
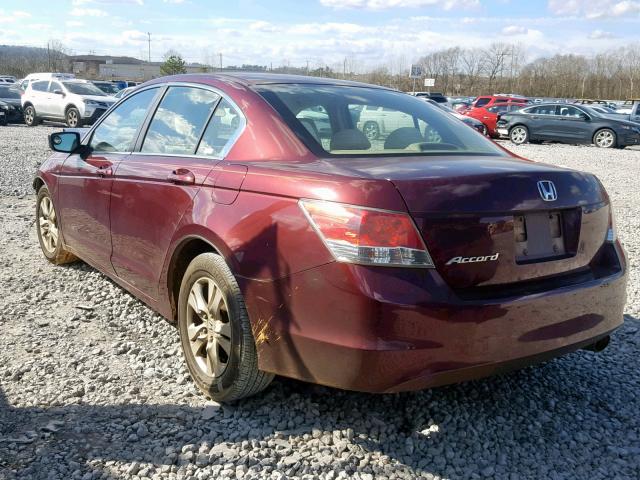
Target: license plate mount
[(538, 236)]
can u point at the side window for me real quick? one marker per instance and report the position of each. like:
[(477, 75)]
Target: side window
[(179, 120), (224, 124), (570, 112), (53, 86), (482, 101), (40, 86), (543, 110), (117, 132)]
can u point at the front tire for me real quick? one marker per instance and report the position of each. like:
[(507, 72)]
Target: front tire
[(519, 134), (215, 332), (605, 138), (48, 230), (72, 118), (30, 116)]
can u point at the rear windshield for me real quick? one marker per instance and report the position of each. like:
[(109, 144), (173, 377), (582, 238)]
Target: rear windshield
[(9, 92), (83, 88), (350, 121)]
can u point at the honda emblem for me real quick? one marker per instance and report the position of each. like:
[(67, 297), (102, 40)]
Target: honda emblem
[(547, 190)]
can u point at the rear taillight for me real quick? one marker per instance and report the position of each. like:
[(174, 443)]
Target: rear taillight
[(611, 231), (367, 236)]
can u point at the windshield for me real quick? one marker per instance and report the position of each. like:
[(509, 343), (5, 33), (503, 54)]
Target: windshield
[(108, 88), (83, 88), (9, 92), (348, 121)]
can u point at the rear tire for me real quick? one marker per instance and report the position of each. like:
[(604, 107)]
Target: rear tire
[(605, 138), (519, 134), (30, 116), (48, 230), (215, 332)]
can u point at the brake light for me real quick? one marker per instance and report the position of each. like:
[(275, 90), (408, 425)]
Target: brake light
[(367, 236), (611, 231)]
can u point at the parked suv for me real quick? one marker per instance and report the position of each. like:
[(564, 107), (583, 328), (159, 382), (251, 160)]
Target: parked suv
[(490, 100), (76, 102)]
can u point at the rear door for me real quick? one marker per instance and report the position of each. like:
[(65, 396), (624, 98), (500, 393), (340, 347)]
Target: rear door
[(39, 97), (85, 181), (154, 187), (543, 122)]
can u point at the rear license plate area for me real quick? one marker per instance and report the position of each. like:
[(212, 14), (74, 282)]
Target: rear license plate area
[(538, 237)]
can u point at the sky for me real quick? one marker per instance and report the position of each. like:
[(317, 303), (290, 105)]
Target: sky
[(318, 32)]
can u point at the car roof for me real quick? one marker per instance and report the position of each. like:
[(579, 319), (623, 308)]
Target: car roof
[(261, 78)]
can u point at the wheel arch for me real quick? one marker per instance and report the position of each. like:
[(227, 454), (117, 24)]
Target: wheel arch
[(38, 183), (185, 250), (70, 105)]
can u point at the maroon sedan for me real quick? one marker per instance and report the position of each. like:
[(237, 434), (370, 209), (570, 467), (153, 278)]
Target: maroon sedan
[(252, 210)]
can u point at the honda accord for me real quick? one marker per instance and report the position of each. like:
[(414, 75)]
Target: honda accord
[(427, 256)]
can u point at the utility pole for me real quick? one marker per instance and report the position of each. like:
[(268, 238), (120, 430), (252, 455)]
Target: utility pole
[(220, 60), (149, 40), (307, 67), (48, 56), (344, 68)]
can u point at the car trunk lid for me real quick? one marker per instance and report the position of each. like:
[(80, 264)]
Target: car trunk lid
[(485, 221)]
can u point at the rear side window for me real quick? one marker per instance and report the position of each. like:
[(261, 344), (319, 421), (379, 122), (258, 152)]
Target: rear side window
[(179, 121), (40, 86), (222, 128), (542, 110), (482, 102), (117, 132)]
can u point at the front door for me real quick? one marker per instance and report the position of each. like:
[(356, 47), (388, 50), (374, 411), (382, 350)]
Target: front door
[(85, 183), (155, 186), (573, 126)]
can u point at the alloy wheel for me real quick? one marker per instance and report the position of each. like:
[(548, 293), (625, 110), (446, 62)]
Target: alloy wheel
[(604, 139), (48, 225), (518, 135), (28, 116), (72, 118), (209, 327)]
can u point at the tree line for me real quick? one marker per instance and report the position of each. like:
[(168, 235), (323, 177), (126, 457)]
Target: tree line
[(498, 68)]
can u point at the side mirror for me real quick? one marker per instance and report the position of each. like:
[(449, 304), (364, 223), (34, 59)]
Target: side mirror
[(585, 117), (65, 142), (59, 92)]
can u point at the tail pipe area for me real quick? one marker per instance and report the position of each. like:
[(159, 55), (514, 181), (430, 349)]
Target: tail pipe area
[(598, 346)]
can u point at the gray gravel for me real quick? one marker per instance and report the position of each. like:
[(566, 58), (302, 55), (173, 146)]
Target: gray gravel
[(93, 383)]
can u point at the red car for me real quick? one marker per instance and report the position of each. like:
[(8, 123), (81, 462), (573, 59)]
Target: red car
[(424, 257), (489, 115), (490, 100)]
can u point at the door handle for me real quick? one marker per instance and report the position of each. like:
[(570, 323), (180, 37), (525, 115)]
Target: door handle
[(182, 176), (105, 171)]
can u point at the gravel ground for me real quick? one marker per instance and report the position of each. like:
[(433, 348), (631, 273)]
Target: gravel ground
[(93, 385)]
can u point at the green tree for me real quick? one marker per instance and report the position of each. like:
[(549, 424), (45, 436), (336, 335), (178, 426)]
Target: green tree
[(173, 64)]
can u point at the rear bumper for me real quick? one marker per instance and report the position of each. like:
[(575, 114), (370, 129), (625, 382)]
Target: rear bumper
[(388, 330)]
